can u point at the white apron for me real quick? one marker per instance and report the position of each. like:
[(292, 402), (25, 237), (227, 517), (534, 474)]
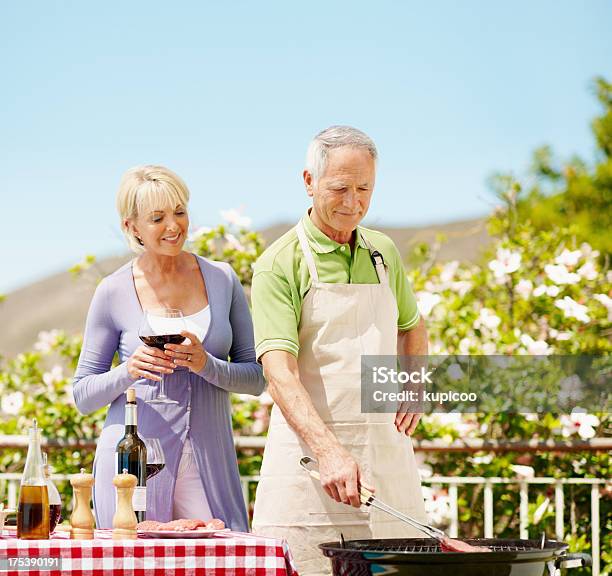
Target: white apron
[(339, 323)]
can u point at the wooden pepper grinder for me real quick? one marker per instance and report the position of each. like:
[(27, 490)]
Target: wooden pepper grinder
[(82, 521), (124, 520)]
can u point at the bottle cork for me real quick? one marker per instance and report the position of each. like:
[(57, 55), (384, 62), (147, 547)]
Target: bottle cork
[(82, 520), (131, 395), (124, 520)]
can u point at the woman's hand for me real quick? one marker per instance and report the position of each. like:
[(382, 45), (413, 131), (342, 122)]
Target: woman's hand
[(146, 360), (190, 353)]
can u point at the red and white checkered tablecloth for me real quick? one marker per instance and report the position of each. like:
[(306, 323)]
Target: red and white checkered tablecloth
[(227, 554)]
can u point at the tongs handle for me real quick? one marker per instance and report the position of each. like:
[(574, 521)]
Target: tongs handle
[(366, 496)]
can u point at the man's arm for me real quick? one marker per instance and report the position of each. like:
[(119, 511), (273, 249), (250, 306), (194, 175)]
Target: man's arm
[(410, 343), (340, 475)]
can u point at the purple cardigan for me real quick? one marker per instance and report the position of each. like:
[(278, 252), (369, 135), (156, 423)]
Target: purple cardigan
[(203, 410)]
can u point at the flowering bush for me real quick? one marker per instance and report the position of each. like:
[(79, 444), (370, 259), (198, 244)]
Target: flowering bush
[(535, 293)]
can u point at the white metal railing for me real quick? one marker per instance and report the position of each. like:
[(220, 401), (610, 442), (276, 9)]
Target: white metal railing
[(9, 484), (453, 482)]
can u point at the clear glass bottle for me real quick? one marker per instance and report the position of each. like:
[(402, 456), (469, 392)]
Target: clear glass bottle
[(55, 500), (33, 509)]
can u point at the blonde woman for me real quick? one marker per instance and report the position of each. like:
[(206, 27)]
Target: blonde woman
[(201, 478)]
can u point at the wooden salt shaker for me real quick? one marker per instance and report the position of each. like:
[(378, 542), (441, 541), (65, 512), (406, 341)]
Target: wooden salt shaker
[(124, 520), (82, 521)]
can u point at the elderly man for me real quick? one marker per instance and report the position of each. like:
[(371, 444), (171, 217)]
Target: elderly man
[(324, 294)]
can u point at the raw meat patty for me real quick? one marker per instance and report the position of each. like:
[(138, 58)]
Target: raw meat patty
[(182, 525), (148, 525)]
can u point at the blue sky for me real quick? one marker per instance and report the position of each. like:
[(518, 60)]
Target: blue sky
[(228, 95)]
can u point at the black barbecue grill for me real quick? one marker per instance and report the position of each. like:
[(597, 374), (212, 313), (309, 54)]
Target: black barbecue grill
[(422, 556)]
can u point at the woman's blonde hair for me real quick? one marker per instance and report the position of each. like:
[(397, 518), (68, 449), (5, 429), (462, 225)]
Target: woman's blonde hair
[(144, 189)]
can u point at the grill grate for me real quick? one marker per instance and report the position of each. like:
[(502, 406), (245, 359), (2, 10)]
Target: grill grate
[(399, 547)]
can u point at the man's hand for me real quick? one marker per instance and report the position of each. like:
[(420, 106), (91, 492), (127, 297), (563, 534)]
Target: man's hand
[(340, 474), (341, 477), (406, 422)]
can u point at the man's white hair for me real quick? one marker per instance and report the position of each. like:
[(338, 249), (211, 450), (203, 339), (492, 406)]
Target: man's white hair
[(331, 138)]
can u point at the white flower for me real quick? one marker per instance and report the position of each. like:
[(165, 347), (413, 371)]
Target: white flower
[(426, 301), (535, 347), (455, 372), (568, 257), (572, 309), (234, 242), (540, 511), (68, 392), (461, 287), (464, 346), (425, 470), (607, 302), (12, 403), (56, 374), (505, 263), (489, 348), (559, 335), (551, 291), (559, 274), (579, 422), (524, 288), (588, 271), (437, 505), (234, 217), (46, 340), (488, 319), (486, 459), (587, 251), (448, 271), (199, 232), (523, 471)]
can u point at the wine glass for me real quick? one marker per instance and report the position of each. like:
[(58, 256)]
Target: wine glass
[(158, 327), (156, 460)]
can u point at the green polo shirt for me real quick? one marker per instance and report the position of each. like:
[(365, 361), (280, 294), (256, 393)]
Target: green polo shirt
[(281, 281)]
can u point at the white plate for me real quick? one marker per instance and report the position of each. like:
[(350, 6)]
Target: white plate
[(198, 533)]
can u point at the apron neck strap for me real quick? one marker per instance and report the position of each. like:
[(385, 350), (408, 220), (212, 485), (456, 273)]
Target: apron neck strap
[(377, 260), (301, 234)]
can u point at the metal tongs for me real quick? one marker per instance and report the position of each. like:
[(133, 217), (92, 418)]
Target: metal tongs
[(368, 499)]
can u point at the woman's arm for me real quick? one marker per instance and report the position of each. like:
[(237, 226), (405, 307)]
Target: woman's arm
[(243, 374), (95, 384)]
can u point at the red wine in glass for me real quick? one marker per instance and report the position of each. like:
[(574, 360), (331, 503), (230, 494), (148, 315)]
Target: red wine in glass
[(55, 516), (158, 328), (160, 340), (156, 460), (154, 470)]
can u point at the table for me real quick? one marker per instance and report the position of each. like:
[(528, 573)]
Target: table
[(225, 554)]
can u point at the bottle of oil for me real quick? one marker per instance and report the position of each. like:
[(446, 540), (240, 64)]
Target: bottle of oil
[(33, 509)]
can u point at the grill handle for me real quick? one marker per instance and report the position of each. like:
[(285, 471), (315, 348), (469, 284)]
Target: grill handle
[(577, 560)]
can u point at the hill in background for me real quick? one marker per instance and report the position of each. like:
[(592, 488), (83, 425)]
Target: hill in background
[(60, 301)]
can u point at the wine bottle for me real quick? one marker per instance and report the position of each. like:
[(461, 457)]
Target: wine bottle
[(33, 509), (132, 455)]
